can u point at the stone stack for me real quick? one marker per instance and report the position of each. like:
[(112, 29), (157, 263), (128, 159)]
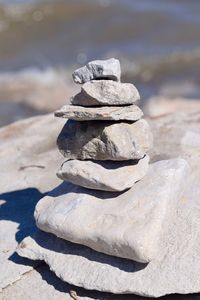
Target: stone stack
[(113, 210), (105, 140)]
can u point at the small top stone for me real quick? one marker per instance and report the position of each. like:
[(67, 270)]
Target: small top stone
[(98, 69)]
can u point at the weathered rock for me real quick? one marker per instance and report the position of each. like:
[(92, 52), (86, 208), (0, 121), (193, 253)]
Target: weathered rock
[(28, 159), (106, 92), (98, 69), (22, 184), (128, 225), (79, 113), (101, 140), (106, 176)]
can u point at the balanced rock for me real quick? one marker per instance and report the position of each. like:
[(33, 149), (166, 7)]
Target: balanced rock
[(128, 225), (106, 176), (105, 140), (106, 92), (116, 113), (98, 69)]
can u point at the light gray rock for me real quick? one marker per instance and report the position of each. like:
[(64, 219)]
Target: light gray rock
[(98, 69), (28, 159), (106, 176), (175, 270), (128, 225), (79, 113), (33, 140), (106, 92), (104, 140)]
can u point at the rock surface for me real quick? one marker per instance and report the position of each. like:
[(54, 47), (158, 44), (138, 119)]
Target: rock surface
[(79, 113), (128, 225), (175, 270), (101, 140), (98, 69), (106, 92), (23, 184), (106, 176), (28, 162)]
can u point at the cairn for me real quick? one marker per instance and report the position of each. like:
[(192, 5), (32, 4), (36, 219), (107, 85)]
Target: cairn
[(107, 139), (109, 217)]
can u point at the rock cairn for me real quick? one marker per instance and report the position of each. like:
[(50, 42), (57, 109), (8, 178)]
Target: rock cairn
[(110, 218), (106, 139)]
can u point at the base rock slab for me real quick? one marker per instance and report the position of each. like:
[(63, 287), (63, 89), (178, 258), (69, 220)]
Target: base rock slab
[(128, 225), (174, 270)]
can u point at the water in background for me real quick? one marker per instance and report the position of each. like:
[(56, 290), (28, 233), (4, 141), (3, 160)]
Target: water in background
[(157, 41)]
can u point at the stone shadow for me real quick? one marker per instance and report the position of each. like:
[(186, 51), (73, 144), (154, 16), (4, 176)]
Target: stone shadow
[(58, 245), (67, 187), (19, 207)]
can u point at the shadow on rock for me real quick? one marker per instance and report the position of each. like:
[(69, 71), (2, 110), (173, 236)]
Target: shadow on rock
[(19, 207), (58, 245)]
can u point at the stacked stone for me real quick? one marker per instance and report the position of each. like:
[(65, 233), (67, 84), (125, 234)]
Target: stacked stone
[(105, 140), (105, 144)]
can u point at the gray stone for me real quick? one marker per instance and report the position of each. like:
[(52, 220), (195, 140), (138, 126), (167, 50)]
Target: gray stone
[(98, 69), (106, 92), (104, 140), (28, 159), (128, 225), (79, 113), (177, 270), (106, 176), (174, 270)]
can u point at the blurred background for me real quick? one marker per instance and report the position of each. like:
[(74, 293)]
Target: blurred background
[(42, 42)]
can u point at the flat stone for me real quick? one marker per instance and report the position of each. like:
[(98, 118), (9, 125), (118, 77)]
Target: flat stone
[(106, 176), (106, 92), (128, 225), (105, 140), (98, 69), (79, 113)]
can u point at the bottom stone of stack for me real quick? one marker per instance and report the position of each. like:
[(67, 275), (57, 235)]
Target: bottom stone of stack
[(127, 225), (174, 270), (104, 175)]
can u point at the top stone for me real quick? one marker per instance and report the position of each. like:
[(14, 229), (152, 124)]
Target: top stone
[(98, 69)]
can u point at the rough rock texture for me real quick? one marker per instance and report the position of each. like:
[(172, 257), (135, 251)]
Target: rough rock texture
[(98, 69), (173, 136), (126, 225), (106, 92), (175, 269), (101, 140), (79, 113), (28, 162), (106, 176)]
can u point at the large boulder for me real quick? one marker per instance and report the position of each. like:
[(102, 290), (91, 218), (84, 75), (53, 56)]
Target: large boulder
[(98, 69), (101, 140), (106, 92), (128, 225), (106, 176)]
